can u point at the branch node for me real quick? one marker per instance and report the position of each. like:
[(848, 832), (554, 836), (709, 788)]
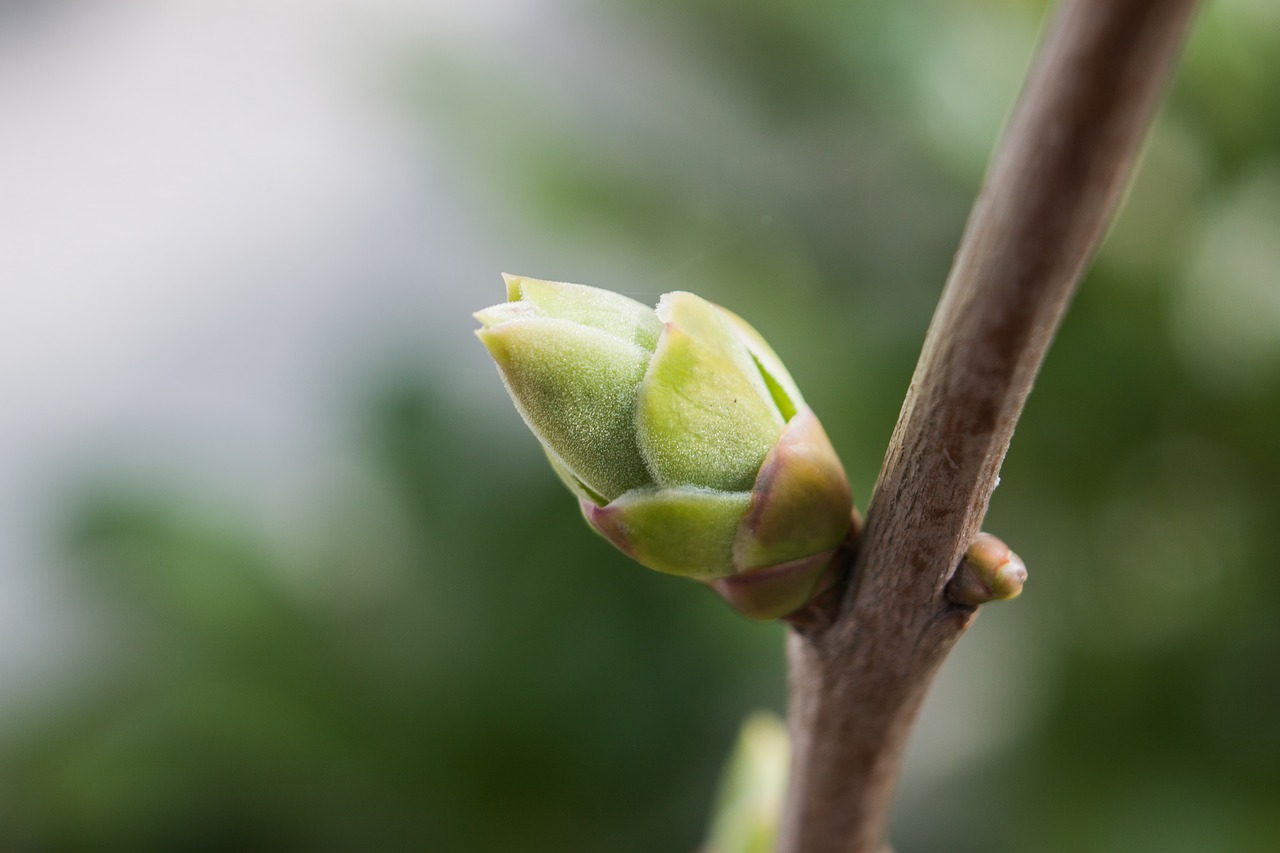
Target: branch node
[(823, 609)]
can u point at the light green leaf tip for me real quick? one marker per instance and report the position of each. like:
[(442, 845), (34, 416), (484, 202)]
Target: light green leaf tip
[(749, 802)]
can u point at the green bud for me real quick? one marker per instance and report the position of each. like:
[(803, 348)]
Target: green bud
[(682, 434)]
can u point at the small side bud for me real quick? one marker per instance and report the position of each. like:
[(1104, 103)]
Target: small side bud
[(990, 571)]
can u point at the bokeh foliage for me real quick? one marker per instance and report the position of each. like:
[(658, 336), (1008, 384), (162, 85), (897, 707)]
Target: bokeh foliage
[(430, 672), (446, 659)]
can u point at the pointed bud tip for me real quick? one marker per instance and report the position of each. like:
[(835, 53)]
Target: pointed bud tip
[(606, 522), (513, 286), (495, 342)]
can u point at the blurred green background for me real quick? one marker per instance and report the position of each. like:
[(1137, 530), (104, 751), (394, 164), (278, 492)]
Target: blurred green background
[(405, 638)]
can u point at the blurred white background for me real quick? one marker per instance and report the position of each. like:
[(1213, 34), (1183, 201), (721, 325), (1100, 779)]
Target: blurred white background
[(208, 210)]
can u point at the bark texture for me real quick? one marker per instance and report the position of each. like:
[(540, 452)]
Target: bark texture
[(863, 655)]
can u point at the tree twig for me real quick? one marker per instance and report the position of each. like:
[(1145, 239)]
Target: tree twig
[(863, 655)]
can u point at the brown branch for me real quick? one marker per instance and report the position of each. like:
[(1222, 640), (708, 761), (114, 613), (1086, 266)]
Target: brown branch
[(863, 656)]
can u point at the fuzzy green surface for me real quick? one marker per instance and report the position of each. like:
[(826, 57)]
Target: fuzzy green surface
[(574, 485), (679, 531), (705, 416), (575, 386), (613, 313), (786, 394)]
